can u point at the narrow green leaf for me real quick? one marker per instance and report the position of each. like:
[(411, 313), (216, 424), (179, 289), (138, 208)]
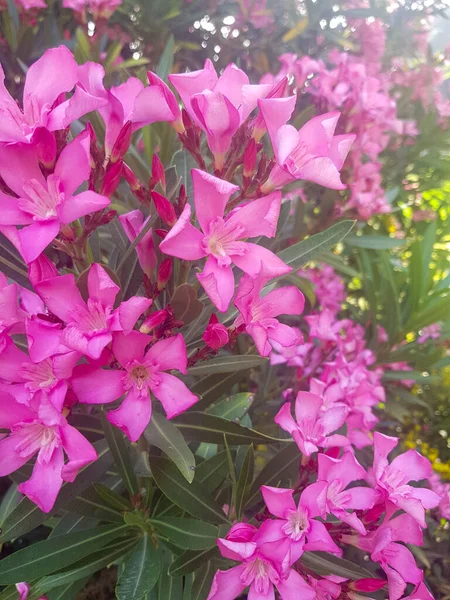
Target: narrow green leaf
[(202, 581), (67, 592), (212, 472), (227, 364), (327, 564), (55, 553), (141, 572), (71, 522), (9, 501), (190, 561), (165, 436), (169, 588), (232, 408), (374, 242), (281, 470), (166, 60), (409, 375), (191, 497), (120, 451), (189, 534), (202, 427), (244, 482), (112, 498), (299, 254)]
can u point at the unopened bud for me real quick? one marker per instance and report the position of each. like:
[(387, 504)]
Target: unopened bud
[(111, 179), (216, 334), (165, 209), (154, 320), (130, 177), (164, 274), (250, 159), (161, 233), (40, 269), (182, 198), (122, 142), (45, 145), (367, 585), (158, 174), (187, 121)]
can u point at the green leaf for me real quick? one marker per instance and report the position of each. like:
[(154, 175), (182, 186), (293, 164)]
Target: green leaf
[(184, 163), (212, 472), (227, 364), (191, 497), (212, 387), (119, 450), (166, 61), (141, 571), (327, 564), (202, 427), (188, 534), (26, 515), (55, 553), (202, 581), (409, 375), (86, 566), (299, 254), (68, 592), (9, 501), (190, 561), (374, 242), (244, 482), (232, 408), (169, 588), (281, 470), (112, 498), (165, 436), (71, 522)]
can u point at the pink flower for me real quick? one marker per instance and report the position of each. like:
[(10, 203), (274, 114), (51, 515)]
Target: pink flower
[(330, 495), (41, 430), (395, 559), (27, 5), (420, 592), (128, 102), (220, 238), (312, 428), (323, 325), (258, 313), (54, 74), (313, 153), (263, 567), (392, 480), (216, 334), (100, 9), (432, 332), (295, 523), (141, 373), (133, 223), (89, 325), (218, 105), (443, 491), (44, 204)]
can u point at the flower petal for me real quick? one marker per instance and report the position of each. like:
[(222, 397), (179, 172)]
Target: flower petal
[(278, 500), (169, 353), (218, 283), (184, 240), (45, 482), (211, 195), (173, 395), (81, 205), (78, 449), (133, 415), (93, 385)]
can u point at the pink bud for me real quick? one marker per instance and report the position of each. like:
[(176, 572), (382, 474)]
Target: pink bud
[(161, 233), (40, 269), (45, 145), (158, 174), (130, 178), (216, 334), (367, 585), (182, 198), (165, 209), (164, 273), (122, 142), (250, 158), (111, 179), (187, 121), (154, 320)]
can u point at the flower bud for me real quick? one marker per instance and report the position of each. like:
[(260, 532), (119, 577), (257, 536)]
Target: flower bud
[(216, 334), (154, 320), (182, 198), (158, 174), (367, 585), (164, 273), (161, 233), (130, 178), (111, 179), (165, 209), (250, 159), (45, 145), (40, 269), (122, 142)]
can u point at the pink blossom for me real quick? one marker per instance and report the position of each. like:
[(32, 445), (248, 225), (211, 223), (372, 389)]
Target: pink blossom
[(54, 74), (329, 288), (311, 430), (432, 332), (89, 325), (264, 566), (142, 372), (220, 238), (29, 4), (216, 334), (443, 491), (133, 223), (331, 494), (257, 313), (395, 559), (43, 205), (41, 430), (295, 523), (218, 105), (100, 9), (420, 592), (313, 153), (323, 326), (392, 480), (293, 356)]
